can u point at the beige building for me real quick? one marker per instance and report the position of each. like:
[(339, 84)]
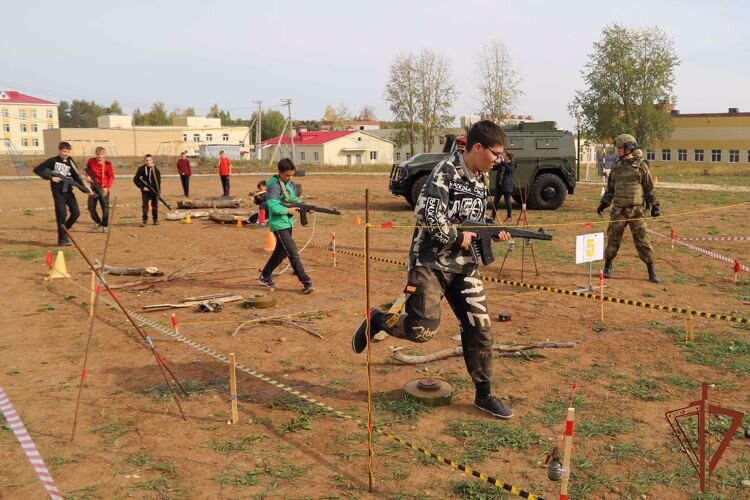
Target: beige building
[(23, 120), (121, 138), (705, 139), (339, 148)]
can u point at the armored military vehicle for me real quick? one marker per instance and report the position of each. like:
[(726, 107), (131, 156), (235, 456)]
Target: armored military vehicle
[(545, 158)]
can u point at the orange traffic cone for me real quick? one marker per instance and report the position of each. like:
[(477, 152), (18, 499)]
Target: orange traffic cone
[(357, 220), (239, 223), (187, 218), (59, 270), (48, 258), (270, 242)]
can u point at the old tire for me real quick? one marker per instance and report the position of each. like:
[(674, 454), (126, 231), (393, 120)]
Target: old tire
[(547, 193), (416, 188)]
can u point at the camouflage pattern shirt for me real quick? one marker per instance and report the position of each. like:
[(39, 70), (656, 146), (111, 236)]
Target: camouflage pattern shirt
[(630, 184), (451, 195)]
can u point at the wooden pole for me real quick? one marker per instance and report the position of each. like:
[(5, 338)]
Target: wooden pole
[(566, 453), (233, 387), (93, 290), (333, 247), (370, 449)]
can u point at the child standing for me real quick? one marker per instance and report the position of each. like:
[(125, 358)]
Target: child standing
[(259, 198), (183, 168), (224, 165), (148, 180), (281, 220), (100, 175)]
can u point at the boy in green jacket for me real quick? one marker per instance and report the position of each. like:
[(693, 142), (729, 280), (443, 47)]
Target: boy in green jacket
[(281, 220)]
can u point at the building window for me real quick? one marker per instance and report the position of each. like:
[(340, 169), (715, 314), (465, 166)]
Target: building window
[(301, 156), (5, 113), (50, 127), (440, 139), (716, 155), (184, 137), (50, 115), (650, 154), (734, 156), (209, 137), (316, 157), (24, 128), (666, 154), (374, 155), (407, 156), (22, 114), (34, 128), (196, 138), (698, 155), (25, 143), (35, 142), (225, 137), (6, 127), (33, 113), (682, 155)]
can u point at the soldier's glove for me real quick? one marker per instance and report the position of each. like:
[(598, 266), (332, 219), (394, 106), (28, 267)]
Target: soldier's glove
[(655, 212), (601, 208)]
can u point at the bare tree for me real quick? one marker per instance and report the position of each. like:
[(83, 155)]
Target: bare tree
[(498, 81), (435, 94), (338, 117), (401, 94), (367, 113)]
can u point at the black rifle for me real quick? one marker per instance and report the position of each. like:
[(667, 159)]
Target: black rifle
[(481, 246), (97, 187), (304, 208), (156, 192), (69, 181)]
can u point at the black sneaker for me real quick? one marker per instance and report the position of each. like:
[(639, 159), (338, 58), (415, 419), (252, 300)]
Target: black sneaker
[(143, 224), (307, 287), (64, 243), (359, 339), (156, 223), (494, 407), (266, 281)]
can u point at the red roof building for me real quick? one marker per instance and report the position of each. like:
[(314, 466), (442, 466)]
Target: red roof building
[(345, 148), (13, 97), (307, 138), (23, 120)]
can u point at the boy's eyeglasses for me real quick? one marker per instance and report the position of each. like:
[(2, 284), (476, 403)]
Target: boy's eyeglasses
[(498, 156)]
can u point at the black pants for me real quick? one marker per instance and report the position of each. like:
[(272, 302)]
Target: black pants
[(104, 202), (496, 203), (147, 196), (64, 202), (225, 184), (185, 179), (285, 247), (466, 296)]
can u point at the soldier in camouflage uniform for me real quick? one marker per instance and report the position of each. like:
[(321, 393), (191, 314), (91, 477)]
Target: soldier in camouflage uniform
[(629, 188), (441, 262)]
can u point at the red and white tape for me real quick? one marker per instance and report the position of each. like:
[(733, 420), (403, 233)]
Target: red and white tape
[(19, 430), (713, 238), (718, 256)]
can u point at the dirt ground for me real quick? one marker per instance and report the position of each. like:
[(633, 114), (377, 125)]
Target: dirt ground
[(622, 375)]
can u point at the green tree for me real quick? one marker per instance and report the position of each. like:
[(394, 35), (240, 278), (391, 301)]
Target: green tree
[(158, 115), (214, 112), (79, 113), (402, 95), (272, 123), (338, 117), (114, 108), (629, 85), (138, 117)]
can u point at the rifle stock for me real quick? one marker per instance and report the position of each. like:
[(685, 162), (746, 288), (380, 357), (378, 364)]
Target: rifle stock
[(69, 181), (155, 191), (304, 208), (482, 245)]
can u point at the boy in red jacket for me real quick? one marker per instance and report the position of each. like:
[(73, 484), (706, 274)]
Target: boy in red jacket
[(100, 175), (224, 165), (183, 168)]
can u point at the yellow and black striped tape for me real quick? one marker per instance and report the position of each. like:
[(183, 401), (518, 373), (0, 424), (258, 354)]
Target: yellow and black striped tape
[(469, 471), (585, 295)]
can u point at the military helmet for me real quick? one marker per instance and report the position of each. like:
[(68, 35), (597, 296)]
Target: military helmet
[(626, 141)]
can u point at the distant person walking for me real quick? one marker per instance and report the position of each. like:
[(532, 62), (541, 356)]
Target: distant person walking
[(504, 185), (183, 168), (148, 179), (224, 165), (101, 175)]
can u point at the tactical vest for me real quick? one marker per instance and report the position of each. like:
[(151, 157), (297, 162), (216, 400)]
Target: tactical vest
[(628, 188)]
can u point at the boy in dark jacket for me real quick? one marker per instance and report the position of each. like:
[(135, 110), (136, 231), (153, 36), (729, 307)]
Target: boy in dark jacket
[(281, 220), (504, 185), (100, 174), (63, 175), (148, 180), (183, 168)]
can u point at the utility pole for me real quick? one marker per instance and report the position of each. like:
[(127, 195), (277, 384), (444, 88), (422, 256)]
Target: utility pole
[(257, 130), (288, 104)]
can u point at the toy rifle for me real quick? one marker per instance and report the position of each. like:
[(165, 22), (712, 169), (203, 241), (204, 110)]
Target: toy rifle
[(97, 187), (304, 208), (155, 191), (69, 182), (481, 246)]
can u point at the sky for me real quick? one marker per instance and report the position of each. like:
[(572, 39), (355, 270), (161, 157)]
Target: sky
[(196, 53)]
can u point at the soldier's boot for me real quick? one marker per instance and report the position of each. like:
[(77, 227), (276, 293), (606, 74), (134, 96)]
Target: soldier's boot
[(652, 277), (607, 268)]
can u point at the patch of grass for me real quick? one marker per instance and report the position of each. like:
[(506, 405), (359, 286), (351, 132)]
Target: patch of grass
[(24, 254), (295, 404), (684, 382), (642, 388), (459, 382), (53, 463), (287, 470), (679, 279), (480, 438), (732, 355), (139, 459), (611, 426), (286, 363), (555, 409), (161, 394), (229, 447), (68, 298), (114, 430), (474, 490), (296, 424), (623, 451), (239, 479), (45, 308), (404, 409), (12, 373), (84, 493)]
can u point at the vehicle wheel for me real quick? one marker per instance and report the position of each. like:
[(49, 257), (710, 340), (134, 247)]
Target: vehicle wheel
[(547, 193), (416, 188)]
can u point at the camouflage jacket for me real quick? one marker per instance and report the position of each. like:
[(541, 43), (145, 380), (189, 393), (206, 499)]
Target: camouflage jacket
[(623, 173), (451, 195)]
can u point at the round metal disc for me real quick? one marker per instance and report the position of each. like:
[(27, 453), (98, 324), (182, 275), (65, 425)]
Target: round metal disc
[(259, 300), (430, 392), (504, 316)]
